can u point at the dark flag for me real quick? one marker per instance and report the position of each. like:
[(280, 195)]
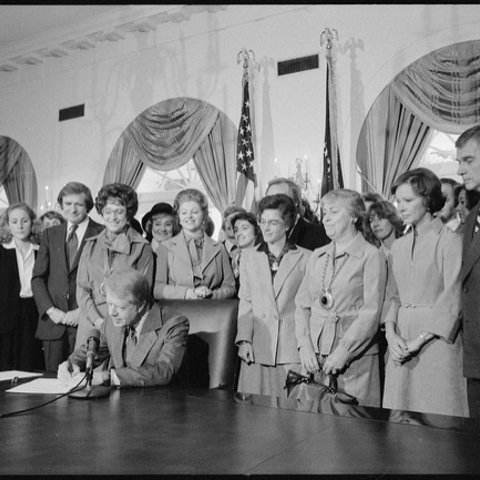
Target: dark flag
[(332, 168), (246, 178)]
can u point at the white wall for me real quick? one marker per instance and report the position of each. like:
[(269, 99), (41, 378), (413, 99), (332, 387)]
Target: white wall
[(197, 58)]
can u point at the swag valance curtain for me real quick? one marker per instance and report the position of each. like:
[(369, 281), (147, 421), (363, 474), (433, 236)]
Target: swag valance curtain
[(168, 135), (440, 91), (17, 174)]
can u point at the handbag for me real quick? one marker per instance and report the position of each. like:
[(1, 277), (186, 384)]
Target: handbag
[(314, 396)]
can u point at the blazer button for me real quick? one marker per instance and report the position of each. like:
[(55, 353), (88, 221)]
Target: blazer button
[(465, 289), (275, 317)]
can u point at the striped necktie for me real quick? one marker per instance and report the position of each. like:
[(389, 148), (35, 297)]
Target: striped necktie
[(72, 244), (130, 343)]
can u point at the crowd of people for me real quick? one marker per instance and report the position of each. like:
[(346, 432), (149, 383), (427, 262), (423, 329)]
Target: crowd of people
[(380, 293)]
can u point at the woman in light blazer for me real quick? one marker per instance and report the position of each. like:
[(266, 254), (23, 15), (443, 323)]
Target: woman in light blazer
[(270, 275), (191, 265), (340, 301)]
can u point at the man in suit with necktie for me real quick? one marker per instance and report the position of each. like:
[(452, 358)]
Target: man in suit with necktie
[(54, 279), (141, 343), (468, 157)]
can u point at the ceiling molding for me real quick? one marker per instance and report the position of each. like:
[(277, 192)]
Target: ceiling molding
[(112, 27)]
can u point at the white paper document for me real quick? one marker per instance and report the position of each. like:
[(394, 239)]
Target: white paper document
[(11, 374), (44, 386)]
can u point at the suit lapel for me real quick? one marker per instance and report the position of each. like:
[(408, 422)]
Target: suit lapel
[(59, 241), (262, 266), (116, 346), (471, 247), (286, 266), (210, 250), (89, 232), (148, 335), (181, 251)]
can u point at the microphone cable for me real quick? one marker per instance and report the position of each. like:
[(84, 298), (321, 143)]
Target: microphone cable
[(73, 389)]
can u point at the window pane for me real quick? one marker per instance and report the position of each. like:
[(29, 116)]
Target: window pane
[(3, 200), (157, 186), (440, 156)]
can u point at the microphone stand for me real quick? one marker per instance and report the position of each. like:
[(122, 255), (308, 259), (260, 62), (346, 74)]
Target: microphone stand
[(90, 391)]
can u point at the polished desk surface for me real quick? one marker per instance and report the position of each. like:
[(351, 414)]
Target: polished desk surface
[(196, 431)]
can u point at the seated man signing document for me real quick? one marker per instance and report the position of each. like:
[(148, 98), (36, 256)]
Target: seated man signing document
[(141, 343)]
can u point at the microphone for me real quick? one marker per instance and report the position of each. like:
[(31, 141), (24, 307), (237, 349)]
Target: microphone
[(91, 392), (93, 343)]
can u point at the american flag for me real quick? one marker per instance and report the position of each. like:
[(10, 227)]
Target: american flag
[(332, 173), (246, 178)]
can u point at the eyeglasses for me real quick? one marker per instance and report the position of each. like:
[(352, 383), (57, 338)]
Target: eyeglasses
[(271, 223), (120, 212)]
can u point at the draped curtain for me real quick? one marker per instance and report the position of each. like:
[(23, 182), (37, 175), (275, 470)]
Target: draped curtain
[(218, 174), (392, 142), (440, 91), (124, 164), (17, 174), (169, 134)]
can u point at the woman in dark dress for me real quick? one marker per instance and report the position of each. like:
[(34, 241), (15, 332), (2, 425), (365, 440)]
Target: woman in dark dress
[(19, 238)]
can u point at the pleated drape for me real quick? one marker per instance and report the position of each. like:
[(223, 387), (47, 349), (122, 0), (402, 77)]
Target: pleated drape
[(171, 133), (440, 91)]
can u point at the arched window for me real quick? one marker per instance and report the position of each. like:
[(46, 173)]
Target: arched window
[(162, 186), (440, 92), (168, 135)]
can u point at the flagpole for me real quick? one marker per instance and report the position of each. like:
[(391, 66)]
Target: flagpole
[(246, 191), (328, 36), (359, 171)]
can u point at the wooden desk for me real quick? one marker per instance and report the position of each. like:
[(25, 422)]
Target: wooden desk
[(163, 431)]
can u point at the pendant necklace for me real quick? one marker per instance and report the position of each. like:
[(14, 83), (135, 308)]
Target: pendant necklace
[(326, 300)]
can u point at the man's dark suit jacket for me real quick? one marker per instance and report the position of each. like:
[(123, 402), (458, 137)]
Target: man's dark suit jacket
[(308, 235), (158, 353), (304, 234), (53, 283), (470, 276)]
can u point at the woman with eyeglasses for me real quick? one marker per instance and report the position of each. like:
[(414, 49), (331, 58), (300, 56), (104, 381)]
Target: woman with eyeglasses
[(340, 301), (118, 245), (191, 265), (270, 275)]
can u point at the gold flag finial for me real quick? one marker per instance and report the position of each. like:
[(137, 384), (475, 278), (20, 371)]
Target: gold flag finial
[(328, 35), (246, 56)]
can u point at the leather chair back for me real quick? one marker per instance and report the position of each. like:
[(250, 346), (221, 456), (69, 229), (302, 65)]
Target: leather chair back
[(211, 357)]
